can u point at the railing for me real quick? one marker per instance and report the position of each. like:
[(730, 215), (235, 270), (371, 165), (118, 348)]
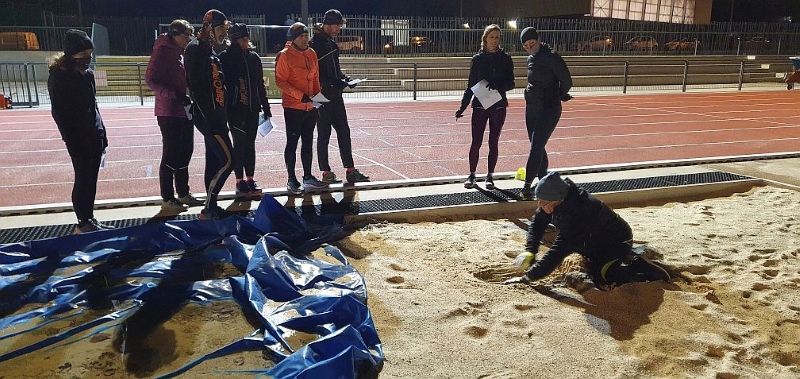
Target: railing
[(117, 82)]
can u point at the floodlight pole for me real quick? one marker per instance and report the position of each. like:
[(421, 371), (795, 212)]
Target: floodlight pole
[(304, 11)]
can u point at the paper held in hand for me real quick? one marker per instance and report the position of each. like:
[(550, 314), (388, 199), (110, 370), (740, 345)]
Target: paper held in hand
[(356, 81), (318, 100), (486, 96), (265, 125)]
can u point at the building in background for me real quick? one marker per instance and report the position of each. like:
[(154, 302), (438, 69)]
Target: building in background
[(672, 11)]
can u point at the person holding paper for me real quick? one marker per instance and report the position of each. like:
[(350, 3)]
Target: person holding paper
[(549, 82), (297, 75), (333, 114), (166, 76), (491, 75), (246, 95)]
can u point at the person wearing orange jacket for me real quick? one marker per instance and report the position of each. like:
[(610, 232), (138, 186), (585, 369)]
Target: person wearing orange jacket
[(297, 75)]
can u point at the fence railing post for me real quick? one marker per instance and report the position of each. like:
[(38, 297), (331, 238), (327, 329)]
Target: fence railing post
[(414, 83), (28, 85), (741, 75), (625, 78), (35, 85), (685, 75), (139, 80)]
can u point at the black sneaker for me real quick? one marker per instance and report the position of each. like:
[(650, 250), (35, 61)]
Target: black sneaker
[(190, 200), (243, 190), (356, 176), (527, 192), (330, 178), (255, 190), (100, 225), (489, 182), (85, 227), (173, 206), (645, 270), (313, 183), (213, 213), (294, 187), (470, 182)]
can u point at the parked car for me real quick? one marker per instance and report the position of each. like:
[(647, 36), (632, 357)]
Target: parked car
[(596, 43), (421, 43), (350, 44), (641, 43), (682, 44)]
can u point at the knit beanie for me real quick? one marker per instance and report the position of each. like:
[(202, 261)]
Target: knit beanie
[(333, 17), (296, 30), (551, 187), (237, 31), (214, 17), (76, 41), (528, 33)]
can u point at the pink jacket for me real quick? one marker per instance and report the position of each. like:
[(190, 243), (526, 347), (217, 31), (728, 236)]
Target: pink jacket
[(166, 76)]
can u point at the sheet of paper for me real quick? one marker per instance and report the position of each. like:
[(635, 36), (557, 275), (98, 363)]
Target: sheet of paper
[(356, 81), (486, 96), (318, 100), (265, 126)]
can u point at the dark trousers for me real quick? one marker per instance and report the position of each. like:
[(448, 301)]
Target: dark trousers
[(299, 127), (496, 118), (177, 141), (244, 126), (86, 166), (333, 115), (219, 157), (540, 124)]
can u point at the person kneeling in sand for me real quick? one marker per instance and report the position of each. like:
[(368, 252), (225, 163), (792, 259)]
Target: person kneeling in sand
[(587, 226)]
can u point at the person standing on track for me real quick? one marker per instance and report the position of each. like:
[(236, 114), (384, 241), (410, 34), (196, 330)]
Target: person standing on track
[(495, 66), (205, 79), (166, 76), (333, 113), (549, 82), (74, 108), (246, 94)]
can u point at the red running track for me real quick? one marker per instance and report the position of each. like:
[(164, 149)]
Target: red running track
[(418, 139)]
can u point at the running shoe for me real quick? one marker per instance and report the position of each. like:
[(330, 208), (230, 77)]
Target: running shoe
[(330, 177), (190, 200), (294, 187), (489, 182), (255, 190), (356, 176), (213, 213), (243, 190), (313, 183), (527, 192), (173, 205), (470, 182)]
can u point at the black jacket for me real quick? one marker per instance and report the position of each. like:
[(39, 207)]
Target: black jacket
[(244, 81), (585, 225), (498, 69), (205, 80), (548, 79), (74, 108), (331, 79)]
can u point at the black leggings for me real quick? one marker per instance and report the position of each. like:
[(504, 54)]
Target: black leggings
[(177, 141), (244, 126), (299, 127), (219, 157), (333, 114), (540, 125), (496, 118), (86, 166)]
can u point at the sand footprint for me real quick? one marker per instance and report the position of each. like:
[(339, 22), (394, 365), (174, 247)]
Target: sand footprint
[(475, 331), (496, 273)]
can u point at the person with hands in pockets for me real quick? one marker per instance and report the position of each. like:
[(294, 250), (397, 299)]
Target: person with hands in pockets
[(333, 115), (297, 75), (549, 82), (588, 227), (246, 95), (495, 66)]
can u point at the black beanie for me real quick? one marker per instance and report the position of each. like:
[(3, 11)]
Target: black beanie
[(76, 41), (296, 30), (214, 17), (333, 17), (238, 31), (528, 33), (551, 187)]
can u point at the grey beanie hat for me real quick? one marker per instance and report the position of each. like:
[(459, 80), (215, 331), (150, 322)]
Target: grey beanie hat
[(551, 187), (296, 30), (528, 33)]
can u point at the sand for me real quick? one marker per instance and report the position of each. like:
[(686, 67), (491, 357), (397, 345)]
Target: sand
[(732, 310)]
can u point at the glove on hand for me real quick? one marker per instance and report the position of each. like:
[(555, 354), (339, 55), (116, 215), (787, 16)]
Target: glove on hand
[(185, 100), (566, 97), (524, 260), (305, 99), (267, 112), (459, 113), (490, 85)]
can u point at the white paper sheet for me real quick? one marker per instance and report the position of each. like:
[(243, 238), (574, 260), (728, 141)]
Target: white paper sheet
[(356, 81), (318, 100), (265, 125), (486, 96)]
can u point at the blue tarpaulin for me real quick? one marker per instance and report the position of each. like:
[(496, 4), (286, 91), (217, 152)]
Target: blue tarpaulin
[(153, 267)]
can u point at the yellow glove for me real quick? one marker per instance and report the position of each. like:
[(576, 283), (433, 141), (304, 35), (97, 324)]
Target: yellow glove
[(524, 260)]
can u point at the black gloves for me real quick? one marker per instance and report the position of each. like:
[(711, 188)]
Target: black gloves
[(340, 85), (185, 99), (460, 113), (305, 99), (566, 97), (267, 112)]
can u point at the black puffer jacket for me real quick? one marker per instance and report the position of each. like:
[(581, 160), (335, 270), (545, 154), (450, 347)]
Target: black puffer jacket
[(331, 79), (244, 81), (548, 79), (585, 225), (74, 108), (497, 68)]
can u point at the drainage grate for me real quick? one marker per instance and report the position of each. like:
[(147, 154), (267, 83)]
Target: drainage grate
[(398, 204)]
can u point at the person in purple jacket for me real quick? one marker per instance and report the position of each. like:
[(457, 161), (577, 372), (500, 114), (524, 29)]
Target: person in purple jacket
[(166, 76)]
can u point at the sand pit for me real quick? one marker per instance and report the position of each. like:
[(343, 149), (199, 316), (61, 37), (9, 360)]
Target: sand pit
[(434, 293)]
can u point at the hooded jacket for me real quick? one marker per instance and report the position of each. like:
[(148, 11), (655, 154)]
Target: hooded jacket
[(331, 79), (498, 69), (548, 79), (245, 90), (74, 109), (166, 76), (585, 225), (206, 83), (297, 74)]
